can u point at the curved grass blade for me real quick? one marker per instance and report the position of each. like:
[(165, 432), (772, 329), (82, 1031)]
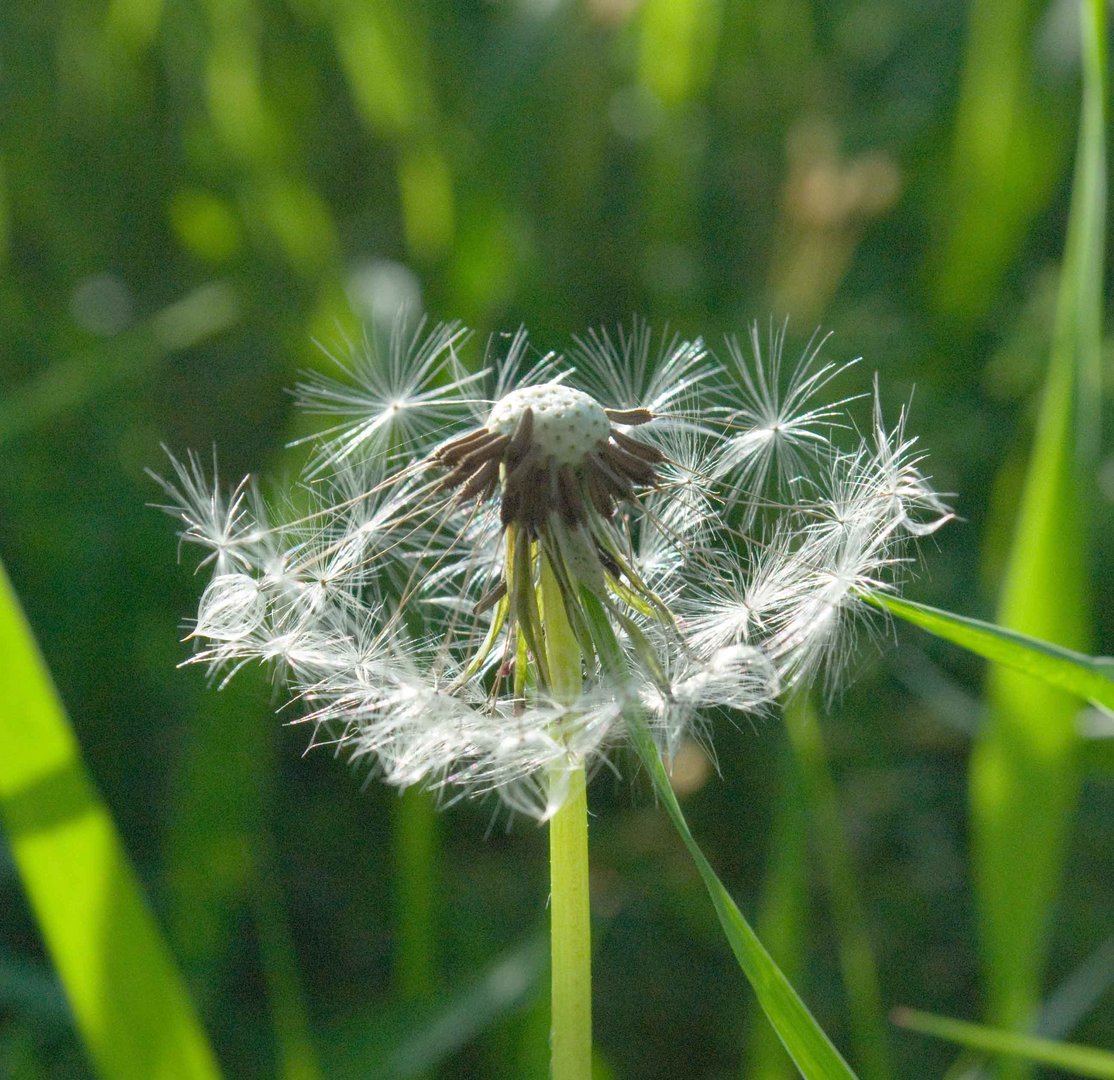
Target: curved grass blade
[(1088, 677), (1025, 770), (128, 999), (1072, 1059), (810, 1049)]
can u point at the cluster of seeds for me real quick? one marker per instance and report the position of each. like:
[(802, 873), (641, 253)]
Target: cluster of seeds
[(405, 602)]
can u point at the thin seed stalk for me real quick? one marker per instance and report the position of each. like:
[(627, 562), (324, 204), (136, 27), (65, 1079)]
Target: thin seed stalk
[(570, 929)]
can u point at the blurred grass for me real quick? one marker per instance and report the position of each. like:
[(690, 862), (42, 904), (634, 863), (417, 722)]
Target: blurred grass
[(809, 804), (1025, 768), (866, 1016), (76, 381), (783, 919), (296, 1053), (1007, 153), (413, 1040), (1078, 1060), (893, 171)]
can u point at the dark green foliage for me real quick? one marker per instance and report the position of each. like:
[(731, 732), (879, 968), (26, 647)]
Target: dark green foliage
[(192, 192)]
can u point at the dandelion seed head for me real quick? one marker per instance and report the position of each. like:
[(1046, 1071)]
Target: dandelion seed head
[(698, 542)]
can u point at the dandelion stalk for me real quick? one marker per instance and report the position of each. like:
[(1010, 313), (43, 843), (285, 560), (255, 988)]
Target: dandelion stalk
[(570, 939), (570, 930)]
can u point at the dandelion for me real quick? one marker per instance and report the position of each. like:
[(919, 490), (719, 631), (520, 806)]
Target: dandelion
[(779, 429), (486, 578)]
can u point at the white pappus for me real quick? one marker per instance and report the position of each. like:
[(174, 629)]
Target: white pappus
[(710, 530)]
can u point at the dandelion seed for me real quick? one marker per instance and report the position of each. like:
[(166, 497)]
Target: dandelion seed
[(776, 430), (393, 394), (232, 608)]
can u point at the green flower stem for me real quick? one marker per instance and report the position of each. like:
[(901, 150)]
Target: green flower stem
[(570, 936), (570, 929)]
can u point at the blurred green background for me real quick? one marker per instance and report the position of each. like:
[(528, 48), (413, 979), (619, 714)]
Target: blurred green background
[(193, 192)]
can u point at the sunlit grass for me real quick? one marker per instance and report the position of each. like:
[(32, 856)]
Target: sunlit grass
[(128, 1000), (1025, 775)]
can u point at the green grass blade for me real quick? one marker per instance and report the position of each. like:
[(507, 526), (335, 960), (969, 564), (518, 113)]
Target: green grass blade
[(1025, 766), (1073, 999), (808, 1046), (811, 1050), (127, 997), (1075, 1060), (1008, 152), (1081, 676)]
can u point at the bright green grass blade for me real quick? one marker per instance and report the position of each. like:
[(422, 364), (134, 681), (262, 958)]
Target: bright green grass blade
[(677, 48), (810, 1048), (1008, 152), (1088, 677), (126, 994), (1074, 1060), (1025, 767), (869, 1033)]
